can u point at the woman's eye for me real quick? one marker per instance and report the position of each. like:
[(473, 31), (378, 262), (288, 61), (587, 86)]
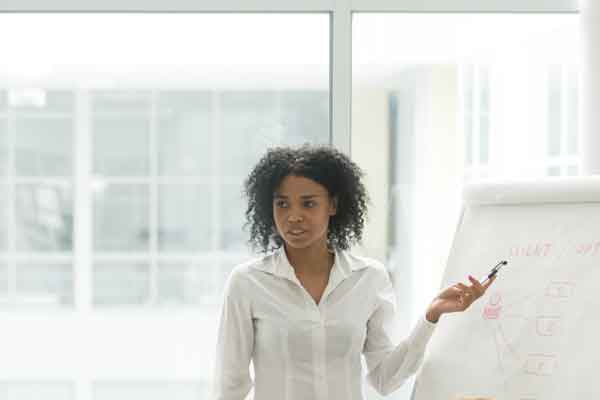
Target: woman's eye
[(310, 203), (281, 204)]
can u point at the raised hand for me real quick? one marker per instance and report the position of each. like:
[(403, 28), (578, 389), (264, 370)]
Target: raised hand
[(456, 298)]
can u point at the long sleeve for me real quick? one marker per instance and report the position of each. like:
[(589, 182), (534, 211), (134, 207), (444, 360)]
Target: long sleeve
[(390, 365), (235, 343)]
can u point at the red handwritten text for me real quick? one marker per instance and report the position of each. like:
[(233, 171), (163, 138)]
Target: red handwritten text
[(531, 250), (588, 249)]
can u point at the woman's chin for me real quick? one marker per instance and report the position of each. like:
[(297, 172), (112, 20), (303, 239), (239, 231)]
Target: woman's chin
[(297, 244), (304, 243)]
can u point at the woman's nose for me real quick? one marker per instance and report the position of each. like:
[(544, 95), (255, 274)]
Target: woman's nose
[(294, 218)]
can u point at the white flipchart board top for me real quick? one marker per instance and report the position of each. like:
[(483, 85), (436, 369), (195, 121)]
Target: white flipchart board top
[(534, 335)]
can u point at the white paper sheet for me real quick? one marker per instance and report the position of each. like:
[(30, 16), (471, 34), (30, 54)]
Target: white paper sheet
[(534, 334)]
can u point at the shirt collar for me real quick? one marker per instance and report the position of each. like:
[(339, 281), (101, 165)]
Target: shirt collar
[(344, 264)]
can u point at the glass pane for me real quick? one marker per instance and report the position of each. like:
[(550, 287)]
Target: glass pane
[(44, 217), (253, 121), (185, 134), (468, 132), (484, 138), (572, 170), (305, 117), (2, 100), (468, 87), (189, 283), (467, 83), (129, 102), (249, 125), (3, 280), (185, 218), (4, 217), (554, 111), (121, 142), (191, 105), (45, 284), (121, 283), (484, 82), (233, 208), (40, 102), (573, 113), (44, 146), (554, 171), (149, 391), (3, 148), (121, 218), (36, 390)]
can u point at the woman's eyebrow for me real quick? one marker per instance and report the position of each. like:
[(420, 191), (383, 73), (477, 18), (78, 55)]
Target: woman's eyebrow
[(304, 196)]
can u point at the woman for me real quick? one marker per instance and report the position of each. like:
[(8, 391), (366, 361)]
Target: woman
[(306, 311)]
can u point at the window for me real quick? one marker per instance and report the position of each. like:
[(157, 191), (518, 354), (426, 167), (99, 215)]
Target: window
[(468, 100), (37, 390), (476, 118), (122, 158), (563, 120), (120, 176), (37, 201)]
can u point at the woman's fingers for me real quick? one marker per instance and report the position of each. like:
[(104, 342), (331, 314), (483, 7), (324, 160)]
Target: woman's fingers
[(477, 287), (468, 291), (468, 294), (465, 295), (460, 293), (489, 282), (462, 286), (456, 290)]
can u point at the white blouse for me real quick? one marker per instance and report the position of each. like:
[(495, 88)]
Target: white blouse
[(304, 351)]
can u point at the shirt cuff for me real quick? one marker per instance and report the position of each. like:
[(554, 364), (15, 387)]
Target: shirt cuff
[(422, 332), (428, 322)]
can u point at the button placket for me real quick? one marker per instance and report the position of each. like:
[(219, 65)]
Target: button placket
[(322, 359)]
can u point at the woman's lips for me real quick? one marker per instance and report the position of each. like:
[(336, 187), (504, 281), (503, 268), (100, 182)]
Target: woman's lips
[(296, 232)]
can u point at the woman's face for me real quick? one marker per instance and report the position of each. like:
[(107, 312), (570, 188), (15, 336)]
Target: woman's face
[(301, 210)]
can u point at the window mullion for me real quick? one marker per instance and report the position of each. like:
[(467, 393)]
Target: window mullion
[(292, 6), (171, 6), (340, 78), (476, 118), (465, 6), (564, 120), (12, 223), (214, 188), (83, 202), (153, 226)]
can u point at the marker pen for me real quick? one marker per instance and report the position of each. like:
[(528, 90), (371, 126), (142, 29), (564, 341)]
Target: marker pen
[(494, 271)]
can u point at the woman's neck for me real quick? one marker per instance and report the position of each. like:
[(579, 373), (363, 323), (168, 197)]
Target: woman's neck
[(312, 260)]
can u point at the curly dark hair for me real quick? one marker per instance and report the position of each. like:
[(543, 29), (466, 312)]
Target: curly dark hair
[(324, 165)]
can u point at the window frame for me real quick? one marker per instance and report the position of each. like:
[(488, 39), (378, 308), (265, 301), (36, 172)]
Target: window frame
[(340, 70), (340, 82)]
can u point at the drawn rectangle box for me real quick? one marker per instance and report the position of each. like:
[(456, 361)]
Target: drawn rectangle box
[(540, 364), (547, 325)]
